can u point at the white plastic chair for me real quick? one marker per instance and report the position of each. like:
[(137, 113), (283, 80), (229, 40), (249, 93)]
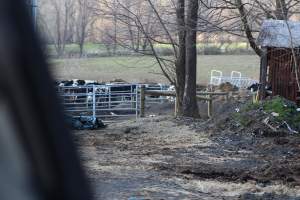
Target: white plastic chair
[(236, 78), (216, 77)]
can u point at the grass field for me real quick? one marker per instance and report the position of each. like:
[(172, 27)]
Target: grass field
[(210, 48), (141, 69)]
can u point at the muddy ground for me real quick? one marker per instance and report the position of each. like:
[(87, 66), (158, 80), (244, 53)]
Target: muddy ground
[(162, 157)]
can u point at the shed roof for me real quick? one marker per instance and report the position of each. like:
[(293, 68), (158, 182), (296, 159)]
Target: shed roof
[(275, 33)]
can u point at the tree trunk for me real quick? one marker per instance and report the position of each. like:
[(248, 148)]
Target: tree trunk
[(82, 37), (115, 35), (81, 46), (180, 62), (115, 21), (190, 106), (263, 74)]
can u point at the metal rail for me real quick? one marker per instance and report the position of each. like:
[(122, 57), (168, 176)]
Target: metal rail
[(208, 97), (105, 102), (152, 99)]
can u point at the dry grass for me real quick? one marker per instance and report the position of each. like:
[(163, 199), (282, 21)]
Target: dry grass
[(140, 69)]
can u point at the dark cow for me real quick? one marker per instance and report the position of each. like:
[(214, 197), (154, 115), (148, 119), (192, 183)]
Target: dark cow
[(80, 82), (67, 83), (255, 87)]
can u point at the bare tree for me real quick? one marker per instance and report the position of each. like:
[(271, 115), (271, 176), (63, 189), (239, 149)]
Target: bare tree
[(151, 23), (83, 19), (243, 18), (113, 37), (56, 22), (190, 106), (82, 22), (181, 57), (64, 9)]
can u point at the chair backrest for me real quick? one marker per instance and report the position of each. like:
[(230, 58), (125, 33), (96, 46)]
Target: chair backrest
[(216, 77), (236, 75)]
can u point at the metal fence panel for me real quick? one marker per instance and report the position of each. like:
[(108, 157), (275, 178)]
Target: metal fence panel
[(102, 101)]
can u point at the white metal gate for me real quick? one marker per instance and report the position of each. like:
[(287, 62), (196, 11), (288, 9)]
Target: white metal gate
[(107, 102)]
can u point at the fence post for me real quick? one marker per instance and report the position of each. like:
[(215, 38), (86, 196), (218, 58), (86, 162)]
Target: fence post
[(87, 99), (136, 101), (109, 98), (227, 97), (210, 107), (175, 107), (143, 99), (94, 102), (161, 98), (132, 94)]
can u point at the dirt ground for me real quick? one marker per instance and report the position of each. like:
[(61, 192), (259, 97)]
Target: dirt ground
[(161, 157)]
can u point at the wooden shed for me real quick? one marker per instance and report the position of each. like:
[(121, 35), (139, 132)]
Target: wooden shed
[(280, 41)]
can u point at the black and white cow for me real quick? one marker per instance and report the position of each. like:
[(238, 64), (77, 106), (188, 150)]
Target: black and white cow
[(255, 87), (72, 83), (73, 91)]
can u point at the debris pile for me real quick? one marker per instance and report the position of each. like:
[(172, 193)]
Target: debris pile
[(273, 117), (227, 87), (223, 87), (84, 123)]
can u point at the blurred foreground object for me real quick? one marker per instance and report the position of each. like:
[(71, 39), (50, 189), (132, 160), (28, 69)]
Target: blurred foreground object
[(38, 158)]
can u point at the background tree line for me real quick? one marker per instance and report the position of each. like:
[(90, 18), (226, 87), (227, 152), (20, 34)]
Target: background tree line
[(114, 23), (141, 25)]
